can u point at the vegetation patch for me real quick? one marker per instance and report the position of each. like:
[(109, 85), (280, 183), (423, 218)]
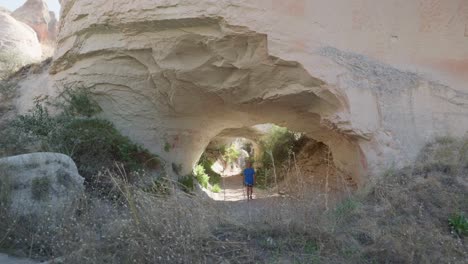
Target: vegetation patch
[(459, 224), (216, 188), (186, 183), (94, 144), (201, 176)]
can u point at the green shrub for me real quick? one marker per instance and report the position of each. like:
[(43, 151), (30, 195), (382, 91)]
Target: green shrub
[(10, 62), (40, 188), (92, 143), (78, 102), (160, 187), (215, 178), (186, 183), (262, 179), (344, 209), (231, 154), (459, 224), (201, 176), (216, 188), (279, 142)]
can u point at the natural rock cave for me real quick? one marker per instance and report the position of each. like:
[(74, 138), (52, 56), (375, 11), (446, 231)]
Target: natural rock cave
[(303, 166), (175, 85)]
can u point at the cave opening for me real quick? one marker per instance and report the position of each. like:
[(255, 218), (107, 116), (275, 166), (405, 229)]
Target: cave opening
[(286, 163)]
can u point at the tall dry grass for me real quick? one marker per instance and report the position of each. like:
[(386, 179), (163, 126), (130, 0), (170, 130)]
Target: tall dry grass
[(401, 218)]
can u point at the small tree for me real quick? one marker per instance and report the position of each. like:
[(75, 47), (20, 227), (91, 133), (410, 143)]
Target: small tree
[(231, 154)]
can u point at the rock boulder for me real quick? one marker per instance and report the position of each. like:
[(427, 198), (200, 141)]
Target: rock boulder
[(39, 184)]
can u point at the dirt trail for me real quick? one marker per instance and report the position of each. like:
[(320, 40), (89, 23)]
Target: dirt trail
[(233, 190)]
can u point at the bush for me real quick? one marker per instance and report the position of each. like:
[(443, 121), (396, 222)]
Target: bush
[(186, 183), (231, 154), (201, 176), (10, 62), (216, 188), (92, 143), (459, 224), (205, 161), (279, 142), (276, 146)]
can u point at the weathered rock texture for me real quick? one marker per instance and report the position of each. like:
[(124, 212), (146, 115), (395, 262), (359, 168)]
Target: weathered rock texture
[(373, 80), (18, 42), (41, 185), (36, 14)]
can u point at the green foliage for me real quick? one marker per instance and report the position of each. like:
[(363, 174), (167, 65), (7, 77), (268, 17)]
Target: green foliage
[(459, 224), (10, 62), (261, 178), (186, 183), (92, 143), (279, 142), (201, 176), (95, 143), (444, 154), (38, 122), (345, 209), (216, 188), (161, 186), (78, 102), (40, 188), (167, 146), (276, 145), (231, 154), (215, 178)]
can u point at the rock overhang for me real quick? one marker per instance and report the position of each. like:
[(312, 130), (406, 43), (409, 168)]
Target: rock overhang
[(135, 57)]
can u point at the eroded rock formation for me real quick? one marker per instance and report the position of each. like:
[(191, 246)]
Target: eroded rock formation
[(18, 42), (372, 80), (36, 14)]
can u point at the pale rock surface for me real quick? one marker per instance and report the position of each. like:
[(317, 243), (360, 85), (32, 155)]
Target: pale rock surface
[(42, 185), (18, 42), (5, 259), (373, 80), (36, 14)]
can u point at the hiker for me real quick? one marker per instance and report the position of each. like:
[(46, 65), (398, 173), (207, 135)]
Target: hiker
[(249, 179)]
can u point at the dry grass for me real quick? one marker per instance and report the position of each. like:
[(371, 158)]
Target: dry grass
[(403, 218)]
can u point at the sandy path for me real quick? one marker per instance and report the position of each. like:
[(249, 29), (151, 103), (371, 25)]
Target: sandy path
[(233, 190)]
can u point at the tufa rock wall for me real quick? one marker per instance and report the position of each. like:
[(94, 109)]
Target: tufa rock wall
[(373, 80)]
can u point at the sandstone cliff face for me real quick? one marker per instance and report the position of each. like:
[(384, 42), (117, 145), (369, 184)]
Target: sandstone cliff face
[(373, 80), (36, 14), (18, 42)]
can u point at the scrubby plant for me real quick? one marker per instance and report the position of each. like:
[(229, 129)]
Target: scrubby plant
[(216, 188), (201, 176), (207, 164), (93, 143), (10, 62), (276, 147), (78, 102), (459, 224), (186, 183), (231, 154)]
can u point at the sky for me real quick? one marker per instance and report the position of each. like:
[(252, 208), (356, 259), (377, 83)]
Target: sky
[(13, 4)]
